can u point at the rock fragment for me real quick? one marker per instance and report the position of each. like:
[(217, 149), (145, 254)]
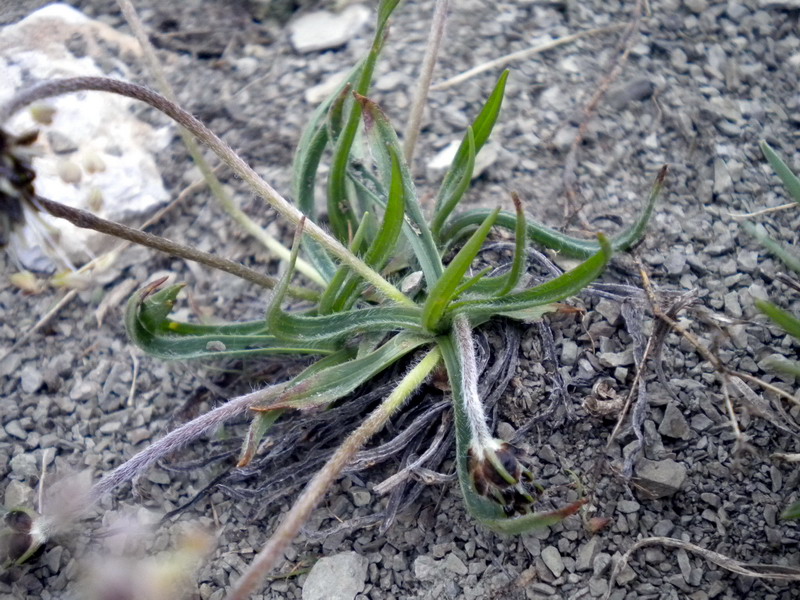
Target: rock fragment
[(338, 577), (659, 478)]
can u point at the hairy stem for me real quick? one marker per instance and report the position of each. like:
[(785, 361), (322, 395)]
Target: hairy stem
[(86, 220), (179, 438), (272, 552), (476, 416), (221, 149), (425, 77)]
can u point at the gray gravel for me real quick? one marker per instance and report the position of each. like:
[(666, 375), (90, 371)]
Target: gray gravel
[(704, 82)]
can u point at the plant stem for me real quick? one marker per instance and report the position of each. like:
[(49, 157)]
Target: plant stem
[(473, 407), (86, 220), (272, 552), (425, 76), (225, 200), (178, 438), (221, 149)]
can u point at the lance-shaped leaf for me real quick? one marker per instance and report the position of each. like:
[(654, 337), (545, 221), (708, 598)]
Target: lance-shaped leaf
[(340, 209), (440, 294), (384, 246), (385, 148), (328, 301), (458, 177), (148, 328), (564, 286), (490, 513), (329, 384), (312, 145), (566, 245), (789, 179), (263, 421), (456, 181)]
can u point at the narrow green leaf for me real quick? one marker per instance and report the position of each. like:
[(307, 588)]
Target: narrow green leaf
[(789, 179), (385, 10), (457, 179), (334, 327), (503, 284), (484, 122), (312, 145), (384, 246), (259, 426), (778, 249), (340, 211), (328, 385), (785, 320), (518, 264), (155, 305), (472, 282), (148, 328), (564, 286), (384, 145), (456, 182), (440, 294), (336, 113), (566, 245), (339, 284), (274, 312), (385, 243)]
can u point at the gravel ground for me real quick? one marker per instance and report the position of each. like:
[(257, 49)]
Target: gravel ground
[(702, 83)]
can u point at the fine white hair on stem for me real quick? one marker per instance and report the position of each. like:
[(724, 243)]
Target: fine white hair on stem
[(178, 438), (476, 416)]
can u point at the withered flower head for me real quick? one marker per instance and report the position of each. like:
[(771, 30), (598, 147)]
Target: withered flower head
[(498, 474), (21, 538), (16, 181)]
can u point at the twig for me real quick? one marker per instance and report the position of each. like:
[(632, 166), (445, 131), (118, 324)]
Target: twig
[(178, 438), (618, 64), (779, 572), (219, 192), (273, 550), (424, 82), (286, 209), (86, 220), (763, 211), (519, 55)]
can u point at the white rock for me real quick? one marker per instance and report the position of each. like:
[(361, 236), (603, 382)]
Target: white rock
[(115, 151), (485, 159), (338, 577), (322, 30), (317, 93)]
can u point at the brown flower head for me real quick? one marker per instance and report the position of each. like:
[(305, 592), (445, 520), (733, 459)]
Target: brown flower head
[(497, 473)]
